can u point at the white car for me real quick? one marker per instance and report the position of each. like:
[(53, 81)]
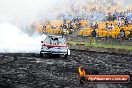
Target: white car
[(54, 44)]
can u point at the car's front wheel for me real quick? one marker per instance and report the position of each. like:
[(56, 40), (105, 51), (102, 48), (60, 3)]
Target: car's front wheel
[(41, 54)]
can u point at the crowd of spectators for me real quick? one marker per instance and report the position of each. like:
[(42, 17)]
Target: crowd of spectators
[(123, 18)]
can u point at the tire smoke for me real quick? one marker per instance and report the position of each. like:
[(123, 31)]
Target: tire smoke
[(12, 40)]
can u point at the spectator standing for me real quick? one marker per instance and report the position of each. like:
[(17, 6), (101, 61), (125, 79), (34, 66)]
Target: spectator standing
[(120, 23), (111, 26), (94, 35), (110, 17), (106, 26), (121, 34), (96, 25), (125, 15), (126, 21)]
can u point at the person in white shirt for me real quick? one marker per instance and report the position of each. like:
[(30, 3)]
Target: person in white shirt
[(111, 26)]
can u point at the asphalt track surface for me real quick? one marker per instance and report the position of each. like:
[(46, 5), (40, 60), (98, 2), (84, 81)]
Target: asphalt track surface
[(28, 70)]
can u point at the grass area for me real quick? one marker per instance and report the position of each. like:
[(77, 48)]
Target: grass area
[(105, 45)]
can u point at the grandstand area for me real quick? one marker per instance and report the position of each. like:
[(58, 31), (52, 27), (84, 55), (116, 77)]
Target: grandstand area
[(117, 25)]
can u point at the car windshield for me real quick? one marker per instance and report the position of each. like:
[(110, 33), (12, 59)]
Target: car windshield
[(52, 40)]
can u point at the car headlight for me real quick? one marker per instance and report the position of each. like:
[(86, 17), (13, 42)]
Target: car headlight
[(44, 47)]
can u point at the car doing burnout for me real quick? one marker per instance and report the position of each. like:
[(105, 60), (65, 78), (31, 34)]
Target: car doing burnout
[(54, 44)]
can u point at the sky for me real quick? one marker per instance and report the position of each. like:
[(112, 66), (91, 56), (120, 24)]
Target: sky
[(129, 2), (30, 10), (20, 10)]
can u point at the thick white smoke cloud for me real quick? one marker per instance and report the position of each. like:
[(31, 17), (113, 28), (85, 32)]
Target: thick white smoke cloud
[(13, 40), (24, 11), (17, 13)]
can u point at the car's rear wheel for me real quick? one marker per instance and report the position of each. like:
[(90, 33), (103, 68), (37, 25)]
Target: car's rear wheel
[(41, 54), (66, 55)]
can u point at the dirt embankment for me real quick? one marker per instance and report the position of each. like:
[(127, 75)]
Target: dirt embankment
[(101, 49)]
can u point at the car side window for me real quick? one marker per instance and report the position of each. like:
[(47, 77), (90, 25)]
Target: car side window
[(62, 40)]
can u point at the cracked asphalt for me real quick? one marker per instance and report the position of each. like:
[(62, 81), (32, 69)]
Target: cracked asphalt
[(28, 70)]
